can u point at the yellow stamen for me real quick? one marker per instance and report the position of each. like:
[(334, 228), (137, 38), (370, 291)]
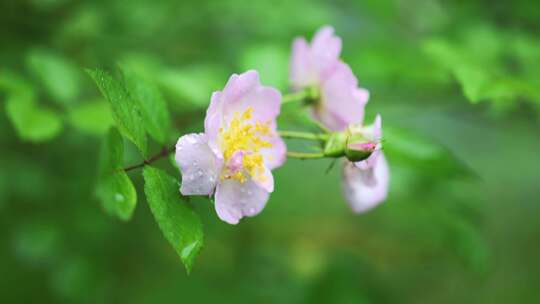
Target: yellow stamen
[(242, 135)]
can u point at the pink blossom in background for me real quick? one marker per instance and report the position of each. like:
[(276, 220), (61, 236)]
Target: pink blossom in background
[(365, 183), (341, 105), (317, 65), (233, 158)]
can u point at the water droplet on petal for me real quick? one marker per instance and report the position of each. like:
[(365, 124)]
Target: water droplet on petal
[(200, 172)]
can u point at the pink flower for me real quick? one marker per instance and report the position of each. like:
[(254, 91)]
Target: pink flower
[(340, 105), (317, 66), (234, 157), (365, 183)]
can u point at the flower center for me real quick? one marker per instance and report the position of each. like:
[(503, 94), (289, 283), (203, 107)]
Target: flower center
[(246, 138)]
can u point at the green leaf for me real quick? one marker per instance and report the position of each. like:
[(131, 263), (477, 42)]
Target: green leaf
[(93, 118), (153, 108), (115, 190), (112, 153), (472, 77), (59, 76), (13, 83), (473, 80), (126, 112), (32, 122), (477, 63), (442, 52), (271, 61), (180, 225), (484, 42), (118, 195)]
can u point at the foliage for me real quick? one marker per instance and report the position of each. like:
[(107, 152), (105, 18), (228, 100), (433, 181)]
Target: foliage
[(126, 112), (487, 64), (461, 213), (179, 224), (114, 188)]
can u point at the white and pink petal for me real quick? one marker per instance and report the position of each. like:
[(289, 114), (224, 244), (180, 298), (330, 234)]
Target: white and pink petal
[(276, 155), (265, 180), (342, 102), (312, 63), (242, 92), (199, 165), (235, 200), (302, 71), (364, 189), (238, 86), (325, 47)]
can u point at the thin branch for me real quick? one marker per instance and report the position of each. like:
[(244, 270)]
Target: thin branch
[(163, 153), (303, 135), (304, 155), (321, 126), (296, 96), (287, 98)]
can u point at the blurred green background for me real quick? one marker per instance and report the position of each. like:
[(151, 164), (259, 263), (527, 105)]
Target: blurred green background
[(457, 84)]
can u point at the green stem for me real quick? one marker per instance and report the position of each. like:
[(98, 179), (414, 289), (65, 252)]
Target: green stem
[(164, 152), (321, 126), (296, 96), (303, 155), (303, 135)]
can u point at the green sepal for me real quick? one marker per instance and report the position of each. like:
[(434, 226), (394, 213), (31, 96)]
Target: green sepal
[(335, 145), (313, 95), (355, 155)]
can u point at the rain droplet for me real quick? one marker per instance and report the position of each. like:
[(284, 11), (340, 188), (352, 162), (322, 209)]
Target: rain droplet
[(200, 172), (118, 197)]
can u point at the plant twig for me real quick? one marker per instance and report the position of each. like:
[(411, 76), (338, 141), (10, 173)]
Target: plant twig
[(304, 155), (303, 135), (296, 96), (163, 153)]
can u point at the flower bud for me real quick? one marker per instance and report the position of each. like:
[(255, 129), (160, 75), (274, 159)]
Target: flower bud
[(313, 95), (353, 146), (361, 142), (356, 143), (359, 151)]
